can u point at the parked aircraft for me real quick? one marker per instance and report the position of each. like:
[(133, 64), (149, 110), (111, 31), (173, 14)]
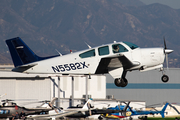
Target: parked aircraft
[(75, 112), (116, 59), (132, 112), (172, 112), (8, 109)]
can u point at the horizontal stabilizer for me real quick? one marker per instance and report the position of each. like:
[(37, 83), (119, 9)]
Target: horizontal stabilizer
[(23, 68)]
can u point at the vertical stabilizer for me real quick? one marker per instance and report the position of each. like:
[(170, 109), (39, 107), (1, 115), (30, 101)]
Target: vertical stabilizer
[(87, 105), (21, 54)]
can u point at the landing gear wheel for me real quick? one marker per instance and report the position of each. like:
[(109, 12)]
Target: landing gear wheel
[(165, 78), (100, 117), (117, 82), (121, 82)]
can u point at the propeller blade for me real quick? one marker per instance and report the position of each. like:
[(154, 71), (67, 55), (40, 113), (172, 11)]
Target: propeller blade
[(165, 47), (167, 61)]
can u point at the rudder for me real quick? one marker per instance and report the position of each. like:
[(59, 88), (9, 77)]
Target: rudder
[(20, 52)]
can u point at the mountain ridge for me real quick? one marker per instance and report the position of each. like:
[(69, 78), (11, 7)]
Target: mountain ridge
[(67, 24)]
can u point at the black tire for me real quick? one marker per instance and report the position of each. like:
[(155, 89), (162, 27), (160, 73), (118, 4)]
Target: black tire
[(165, 78), (121, 82), (124, 82), (100, 117), (117, 82)]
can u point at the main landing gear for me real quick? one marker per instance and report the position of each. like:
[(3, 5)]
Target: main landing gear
[(121, 82)]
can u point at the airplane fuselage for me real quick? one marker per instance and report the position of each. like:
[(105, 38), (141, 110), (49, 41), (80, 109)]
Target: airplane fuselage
[(73, 63)]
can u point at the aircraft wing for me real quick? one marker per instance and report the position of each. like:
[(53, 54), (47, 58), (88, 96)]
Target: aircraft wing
[(113, 62), (48, 116)]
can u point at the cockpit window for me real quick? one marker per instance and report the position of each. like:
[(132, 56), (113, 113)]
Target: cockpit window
[(103, 50), (131, 45), (117, 48), (87, 54)]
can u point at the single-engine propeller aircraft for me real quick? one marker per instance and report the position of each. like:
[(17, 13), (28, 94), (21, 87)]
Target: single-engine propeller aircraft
[(116, 59)]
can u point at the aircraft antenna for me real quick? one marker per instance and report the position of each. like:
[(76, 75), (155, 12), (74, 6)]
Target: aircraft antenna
[(88, 45), (58, 52)]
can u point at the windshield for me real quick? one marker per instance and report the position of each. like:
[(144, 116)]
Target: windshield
[(131, 45)]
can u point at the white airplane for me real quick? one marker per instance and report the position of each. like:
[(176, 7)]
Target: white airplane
[(116, 59)]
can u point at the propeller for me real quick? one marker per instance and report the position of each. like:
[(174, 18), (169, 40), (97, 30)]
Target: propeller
[(166, 52)]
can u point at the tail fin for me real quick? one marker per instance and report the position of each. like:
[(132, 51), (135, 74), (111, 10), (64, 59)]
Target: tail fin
[(87, 105), (163, 110), (53, 101), (21, 54)]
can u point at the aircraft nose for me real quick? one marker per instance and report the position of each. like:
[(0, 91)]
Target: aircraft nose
[(168, 51)]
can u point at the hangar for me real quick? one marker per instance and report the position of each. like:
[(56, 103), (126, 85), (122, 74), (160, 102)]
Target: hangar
[(45, 86)]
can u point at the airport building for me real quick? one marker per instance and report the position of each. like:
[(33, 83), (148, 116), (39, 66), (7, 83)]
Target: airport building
[(142, 86), (46, 86)]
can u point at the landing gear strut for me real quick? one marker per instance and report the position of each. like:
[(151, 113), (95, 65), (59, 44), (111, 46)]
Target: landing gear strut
[(121, 82)]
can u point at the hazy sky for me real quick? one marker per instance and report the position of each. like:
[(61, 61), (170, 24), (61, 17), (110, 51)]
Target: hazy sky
[(172, 3)]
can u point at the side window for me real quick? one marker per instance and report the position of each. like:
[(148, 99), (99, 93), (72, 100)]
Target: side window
[(117, 48), (103, 50), (87, 54)]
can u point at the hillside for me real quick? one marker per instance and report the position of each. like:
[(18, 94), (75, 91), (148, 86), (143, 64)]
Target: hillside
[(66, 24)]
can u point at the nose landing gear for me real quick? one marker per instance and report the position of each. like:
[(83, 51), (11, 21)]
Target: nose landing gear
[(165, 78)]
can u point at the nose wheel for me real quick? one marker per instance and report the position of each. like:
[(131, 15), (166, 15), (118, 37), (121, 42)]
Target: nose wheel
[(165, 78), (121, 82)]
